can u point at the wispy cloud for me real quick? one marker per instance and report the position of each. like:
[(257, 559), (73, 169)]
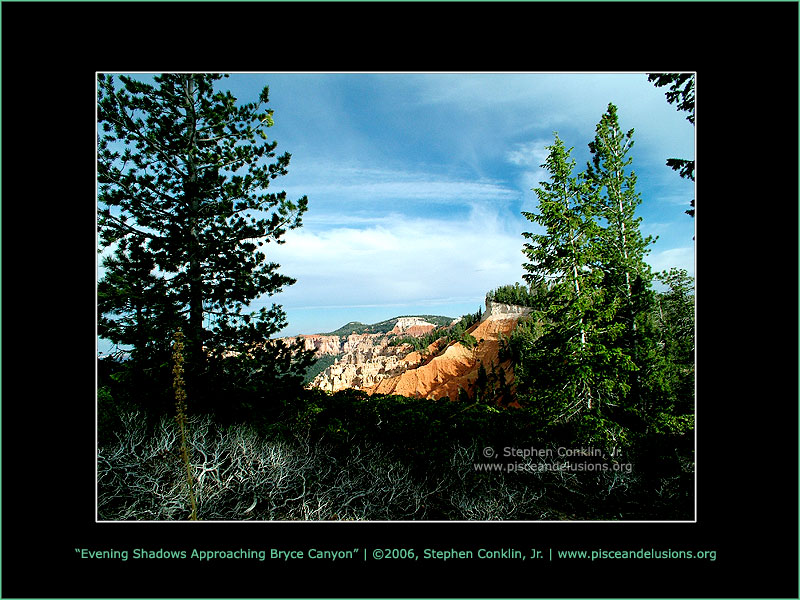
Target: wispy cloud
[(356, 183), (676, 199)]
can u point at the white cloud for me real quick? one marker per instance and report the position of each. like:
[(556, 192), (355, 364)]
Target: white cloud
[(676, 199), (406, 260), (530, 156), (681, 258)]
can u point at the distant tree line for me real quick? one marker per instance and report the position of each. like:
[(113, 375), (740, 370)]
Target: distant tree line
[(384, 326), (517, 294)]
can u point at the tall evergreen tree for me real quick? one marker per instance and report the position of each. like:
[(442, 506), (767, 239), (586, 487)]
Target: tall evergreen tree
[(567, 365), (614, 185), (627, 278), (596, 360), (184, 211), (560, 257)]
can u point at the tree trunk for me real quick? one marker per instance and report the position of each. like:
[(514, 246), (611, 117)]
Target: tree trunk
[(576, 284), (195, 272)]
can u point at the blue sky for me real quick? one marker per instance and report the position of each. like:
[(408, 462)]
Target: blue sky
[(416, 181)]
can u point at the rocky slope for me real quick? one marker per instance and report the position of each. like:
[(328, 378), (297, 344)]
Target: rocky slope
[(457, 367), (369, 363), (323, 344), (367, 358)]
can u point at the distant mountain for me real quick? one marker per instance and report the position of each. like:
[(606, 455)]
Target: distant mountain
[(356, 337), (386, 326)]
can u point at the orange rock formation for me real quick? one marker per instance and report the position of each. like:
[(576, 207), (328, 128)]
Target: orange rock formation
[(369, 363), (457, 367)]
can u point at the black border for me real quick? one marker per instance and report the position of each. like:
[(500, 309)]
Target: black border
[(745, 55)]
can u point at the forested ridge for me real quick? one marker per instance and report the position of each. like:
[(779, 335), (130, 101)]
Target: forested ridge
[(204, 419), (384, 326)]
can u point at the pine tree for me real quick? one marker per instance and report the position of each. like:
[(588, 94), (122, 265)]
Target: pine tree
[(134, 310), (184, 211), (561, 255), (614, 186), (592, 356), (569, 367), (653, 378), (627, 277)]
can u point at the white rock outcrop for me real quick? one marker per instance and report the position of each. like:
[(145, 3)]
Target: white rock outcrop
[(498, 310), (367, 361)]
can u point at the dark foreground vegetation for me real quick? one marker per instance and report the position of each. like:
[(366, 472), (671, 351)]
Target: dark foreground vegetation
[(349, 456)]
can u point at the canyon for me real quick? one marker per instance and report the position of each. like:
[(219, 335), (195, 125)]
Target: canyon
[(377, 364), (454, 370)]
